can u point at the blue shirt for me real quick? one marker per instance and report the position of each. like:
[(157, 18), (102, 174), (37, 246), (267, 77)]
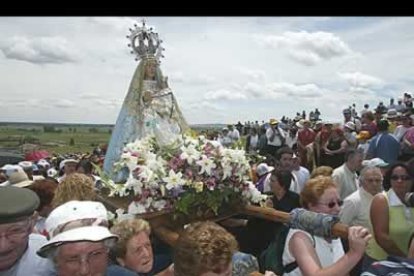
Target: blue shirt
[(384, 146)]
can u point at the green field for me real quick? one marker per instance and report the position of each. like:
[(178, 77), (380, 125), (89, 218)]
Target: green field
[(60, 140)]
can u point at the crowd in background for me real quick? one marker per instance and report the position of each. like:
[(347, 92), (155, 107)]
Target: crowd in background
[(359, 170)]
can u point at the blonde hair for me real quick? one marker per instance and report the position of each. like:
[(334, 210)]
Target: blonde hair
[(75, 186), (322, 171), (314, 189), (125, 230), (202, 247)]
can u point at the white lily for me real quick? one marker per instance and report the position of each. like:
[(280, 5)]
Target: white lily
[(206, 165), (129, 160), (227, 170), (136, 208), (159, 204), (173, 180), (190, 154)]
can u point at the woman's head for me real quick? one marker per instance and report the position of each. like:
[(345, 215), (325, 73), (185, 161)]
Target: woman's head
[(204, 247), (133, 249), (398, 178), (75, 186), (320, 195), (45, 190), (322, 171)]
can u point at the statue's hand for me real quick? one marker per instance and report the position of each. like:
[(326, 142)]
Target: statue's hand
[(147, 97)]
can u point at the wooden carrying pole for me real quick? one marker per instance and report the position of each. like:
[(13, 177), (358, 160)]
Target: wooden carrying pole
[(338, 230)]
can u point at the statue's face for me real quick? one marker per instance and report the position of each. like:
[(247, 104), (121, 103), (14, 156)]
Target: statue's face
[(150, 70)]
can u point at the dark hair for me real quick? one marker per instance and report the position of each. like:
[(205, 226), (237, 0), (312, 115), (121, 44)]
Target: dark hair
[(351, 153), (282, 151), (382, 125), (387, 176), (284, 178), (45, 190), (86, 165)]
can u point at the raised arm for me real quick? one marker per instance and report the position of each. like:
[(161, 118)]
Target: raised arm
[(308, 261)]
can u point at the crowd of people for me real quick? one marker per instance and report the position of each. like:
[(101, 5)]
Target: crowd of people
[(53, 220)]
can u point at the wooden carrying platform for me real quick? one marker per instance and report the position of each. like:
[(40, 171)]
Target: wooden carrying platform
[(168, 230)]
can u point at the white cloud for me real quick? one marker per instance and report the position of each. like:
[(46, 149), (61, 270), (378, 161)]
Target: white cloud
[(282, 89), (108, 103), (356, 61), (256, 75), (205, 106), (24, 103), (90, 96), (203, 79), (308, 48), (115, 23), (176, 77), (223, 94), (64, 103), (358, 79), (40, 50)]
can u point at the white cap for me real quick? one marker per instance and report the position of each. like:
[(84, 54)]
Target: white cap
[(43, 163), (76, 221), (263, 168), (350, 125), (70, 160), (9, 169), (26, 164), (52, 172), (375, 162)]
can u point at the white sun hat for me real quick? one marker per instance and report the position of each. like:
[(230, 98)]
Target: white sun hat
[(76, 221)]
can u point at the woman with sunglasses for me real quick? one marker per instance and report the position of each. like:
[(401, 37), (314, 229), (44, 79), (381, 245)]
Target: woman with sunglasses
[(392, 220), (316, 255)]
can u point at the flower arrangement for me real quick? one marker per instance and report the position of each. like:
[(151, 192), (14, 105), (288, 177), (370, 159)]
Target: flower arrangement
[(189, 176)]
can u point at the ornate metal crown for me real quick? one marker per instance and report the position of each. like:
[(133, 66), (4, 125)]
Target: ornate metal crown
[(145, 43)]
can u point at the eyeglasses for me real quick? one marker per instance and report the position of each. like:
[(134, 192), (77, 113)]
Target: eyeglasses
[(403, 177), (93, 257), (332, 204)]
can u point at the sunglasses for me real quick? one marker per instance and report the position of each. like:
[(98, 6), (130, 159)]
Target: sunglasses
[(333, 203), (400, 177)]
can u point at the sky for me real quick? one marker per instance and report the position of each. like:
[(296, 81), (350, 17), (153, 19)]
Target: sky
[(221, 69)]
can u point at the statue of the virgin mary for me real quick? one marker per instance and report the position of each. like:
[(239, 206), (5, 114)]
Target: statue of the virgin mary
[(150, 107)]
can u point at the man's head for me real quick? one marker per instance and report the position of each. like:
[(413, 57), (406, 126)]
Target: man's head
[(347, 113), (285, 156), (353, 159), (383, 125), (17, 207), (204, 248), (79, 238), (273, 123), (371, 179)]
